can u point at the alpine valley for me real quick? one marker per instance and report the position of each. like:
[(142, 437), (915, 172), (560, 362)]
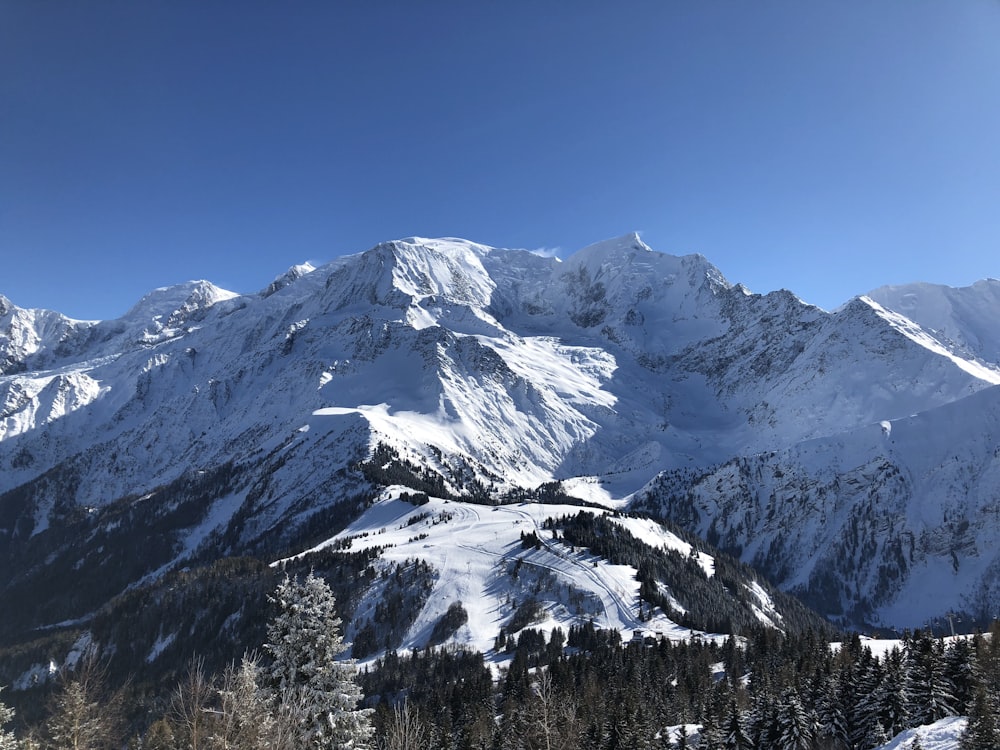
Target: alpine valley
[(468, 440)]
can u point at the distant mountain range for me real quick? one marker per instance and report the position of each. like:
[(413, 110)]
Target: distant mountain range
[(853, 456)]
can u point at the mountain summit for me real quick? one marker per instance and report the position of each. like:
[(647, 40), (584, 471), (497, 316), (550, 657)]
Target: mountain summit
[(847, 454)]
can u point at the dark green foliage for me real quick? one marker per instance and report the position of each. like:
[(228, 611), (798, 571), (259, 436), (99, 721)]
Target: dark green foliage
[(87, 556), (448, 625), (983, 731), (386, 468), (530, 541), (149, 633), (417, 498), (720, 603), (527, 612), (211, 612), (451, 689), (403, 593), (589, 690)]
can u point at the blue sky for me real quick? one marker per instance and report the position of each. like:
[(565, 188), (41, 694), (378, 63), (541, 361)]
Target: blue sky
[(827, 147)]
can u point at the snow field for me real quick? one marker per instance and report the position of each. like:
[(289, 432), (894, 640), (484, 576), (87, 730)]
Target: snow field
[(475, 548)]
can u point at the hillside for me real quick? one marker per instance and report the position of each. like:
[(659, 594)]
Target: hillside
[(204, 425)]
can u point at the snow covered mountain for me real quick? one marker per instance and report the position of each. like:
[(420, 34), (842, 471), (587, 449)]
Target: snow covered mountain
[(964, 318), (211, 424), (892, 524)]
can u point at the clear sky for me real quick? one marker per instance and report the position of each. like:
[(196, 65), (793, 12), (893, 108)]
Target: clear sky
[(825, 146)]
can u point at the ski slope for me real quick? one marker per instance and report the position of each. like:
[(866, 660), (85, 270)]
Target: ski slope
[(474, 550)]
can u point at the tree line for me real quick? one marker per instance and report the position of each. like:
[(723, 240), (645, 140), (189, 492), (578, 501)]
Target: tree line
[(581, 689), (587, 690)]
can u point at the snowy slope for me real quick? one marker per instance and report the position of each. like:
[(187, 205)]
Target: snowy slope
[(478, 558), (963, 318), (945, 734), (473, 547), (485, 372), (891, 524)]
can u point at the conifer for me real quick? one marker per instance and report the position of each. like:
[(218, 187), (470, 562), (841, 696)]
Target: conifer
[(304, 641), (7, 740)]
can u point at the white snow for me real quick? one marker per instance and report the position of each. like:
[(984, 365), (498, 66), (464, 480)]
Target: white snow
[(518, 370), (919, 335), (963, 319), (161, 643), (34, 675), (473, 548), (653, 534), (944, 734)]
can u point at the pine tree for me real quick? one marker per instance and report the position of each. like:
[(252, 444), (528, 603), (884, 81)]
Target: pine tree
[(982, 732), (159, 736), (711, 736), (736, 735), (962, 671), (762, 722), (404, 730), (929, 691), (877, 736), (795, 726), (831, 718), (7, 740), (988, 651), (892, 697), (862, 713), (304, 641)]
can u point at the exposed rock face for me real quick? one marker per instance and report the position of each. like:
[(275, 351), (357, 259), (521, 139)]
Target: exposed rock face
[(756, 418)]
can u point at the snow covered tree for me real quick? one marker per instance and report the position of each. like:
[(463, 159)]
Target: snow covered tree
[(75, 723), (877, 736), (831, 720), (963, 672), (796, 728), (891, 696), (930, 693), (762, 722), (860, 688), (304, 641), (711, 736), (7, 741), (982, 732), (244, 721), (83, 717), (736, 734)]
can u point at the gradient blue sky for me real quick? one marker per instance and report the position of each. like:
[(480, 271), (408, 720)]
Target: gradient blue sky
[(827, 147)]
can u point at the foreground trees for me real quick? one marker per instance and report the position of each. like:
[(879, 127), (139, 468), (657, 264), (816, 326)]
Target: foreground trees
[(584, 689), (7, 740), (305, 682), (784, 692), (301, 699)]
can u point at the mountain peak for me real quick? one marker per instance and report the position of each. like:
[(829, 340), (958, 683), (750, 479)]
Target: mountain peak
[(189, 295), (614, 248), (290, 276), (415, 270), (486, 372), (962, 317)]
